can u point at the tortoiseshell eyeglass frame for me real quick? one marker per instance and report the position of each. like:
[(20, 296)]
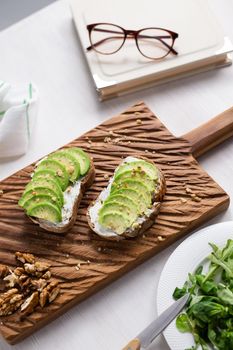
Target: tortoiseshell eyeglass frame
[(135, 34)]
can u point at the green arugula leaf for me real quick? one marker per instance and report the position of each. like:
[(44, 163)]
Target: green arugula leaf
[(209, 313)]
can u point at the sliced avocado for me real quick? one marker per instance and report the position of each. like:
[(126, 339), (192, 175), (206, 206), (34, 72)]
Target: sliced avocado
[(47, 174), (134, 195), (140, 165), (40, 198), (118, 207), (126, 200), (59, 169), (134, 184), (136, 174), (46, 211), (51, 184), (41, 191), (115, 221), (70, 163), (82, 157)]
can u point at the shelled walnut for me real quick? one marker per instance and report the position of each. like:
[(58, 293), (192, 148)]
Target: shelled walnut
[(4, 270), (28, 286)]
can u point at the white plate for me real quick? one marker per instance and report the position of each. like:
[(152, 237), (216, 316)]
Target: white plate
[(187, 256)]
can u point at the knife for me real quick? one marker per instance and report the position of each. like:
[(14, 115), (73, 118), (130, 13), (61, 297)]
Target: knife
[(145, 338)]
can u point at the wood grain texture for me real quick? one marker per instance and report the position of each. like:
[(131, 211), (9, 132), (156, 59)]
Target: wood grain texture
[(179, 214), (211, 134)]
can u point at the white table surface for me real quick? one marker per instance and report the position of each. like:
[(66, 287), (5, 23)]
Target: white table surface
[(44, 49)]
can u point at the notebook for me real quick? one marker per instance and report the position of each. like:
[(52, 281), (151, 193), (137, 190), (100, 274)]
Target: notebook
[(201, 44)]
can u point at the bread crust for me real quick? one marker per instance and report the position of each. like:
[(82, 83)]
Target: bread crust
[(86, 182), (149, 221)]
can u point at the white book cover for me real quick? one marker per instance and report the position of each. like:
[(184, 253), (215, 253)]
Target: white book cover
[(201, 41)]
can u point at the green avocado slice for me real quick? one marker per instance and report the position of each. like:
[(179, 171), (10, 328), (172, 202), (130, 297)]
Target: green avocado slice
[(115, 221), (133, 195), (136, 175), (70, 163), (140, 165), (50, 184), (125, 200), (118, 207), (40, 198), (59, 169), (48, 174), (82, 157), (37, 190), (134, 184), (46, 211)]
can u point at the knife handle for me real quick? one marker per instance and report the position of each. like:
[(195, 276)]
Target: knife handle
[(133, 345)]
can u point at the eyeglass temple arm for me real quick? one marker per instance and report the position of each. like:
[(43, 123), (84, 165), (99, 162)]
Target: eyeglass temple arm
[(143, 36)]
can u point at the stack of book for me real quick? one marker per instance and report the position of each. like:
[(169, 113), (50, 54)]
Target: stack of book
[(201, 44)]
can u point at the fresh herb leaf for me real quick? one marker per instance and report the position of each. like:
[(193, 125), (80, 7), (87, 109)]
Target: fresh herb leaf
[(209, 312), (183, 323)]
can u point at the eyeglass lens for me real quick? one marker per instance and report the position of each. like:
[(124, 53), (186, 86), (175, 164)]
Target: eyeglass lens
[(154, 43), (107, 38)]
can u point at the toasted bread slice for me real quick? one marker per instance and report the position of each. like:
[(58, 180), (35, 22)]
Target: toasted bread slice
[(126, 200), (62, 212)]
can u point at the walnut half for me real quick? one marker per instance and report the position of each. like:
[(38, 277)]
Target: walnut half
[(25, 257), (30, 303), (10, 301), (4, 270)]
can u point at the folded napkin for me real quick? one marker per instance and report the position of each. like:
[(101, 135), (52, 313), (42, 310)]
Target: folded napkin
[(18, 110)]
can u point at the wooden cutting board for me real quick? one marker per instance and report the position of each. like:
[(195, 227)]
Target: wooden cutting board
[(192, 198)]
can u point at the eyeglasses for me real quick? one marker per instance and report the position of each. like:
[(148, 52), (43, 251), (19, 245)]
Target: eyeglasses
[(152, 43)]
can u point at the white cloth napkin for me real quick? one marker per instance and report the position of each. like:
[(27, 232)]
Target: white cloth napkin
[(18, 110)]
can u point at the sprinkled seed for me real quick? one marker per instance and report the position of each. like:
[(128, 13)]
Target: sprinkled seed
[(111, 132), (139, 121), (196, 198), (117, 140), (188, 190), (160, 238), (107, 139), (89, 141), (106, 176), (146, 151), (135, 225), (1, 192), (99, 249), (183, 200)]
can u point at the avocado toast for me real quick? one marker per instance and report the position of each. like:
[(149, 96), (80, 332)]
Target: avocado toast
[(130, 203), (52, 197)]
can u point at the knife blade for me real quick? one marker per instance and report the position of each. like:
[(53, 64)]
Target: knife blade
[(145, 338)]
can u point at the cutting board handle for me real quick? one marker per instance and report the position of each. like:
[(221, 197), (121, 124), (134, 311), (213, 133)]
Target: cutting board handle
[(210, 134)]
